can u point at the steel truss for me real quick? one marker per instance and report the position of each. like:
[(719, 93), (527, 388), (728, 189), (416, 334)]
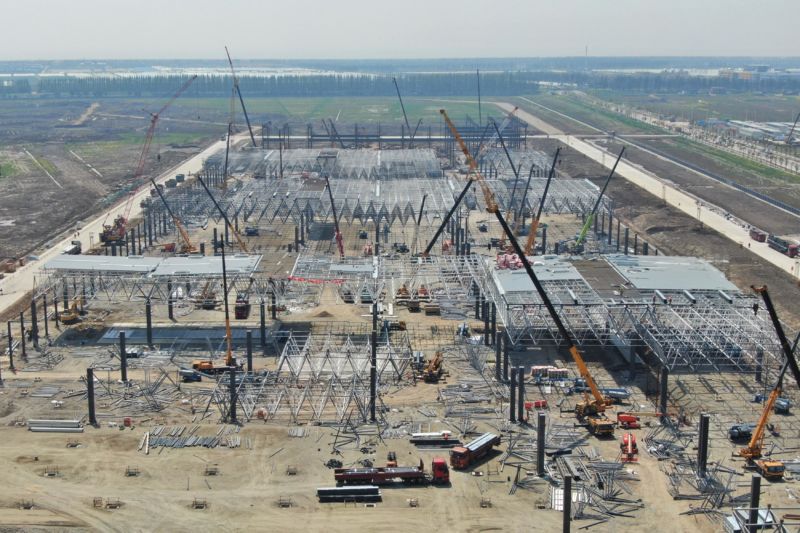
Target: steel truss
[(450, 280), (714, 333), (320, 378), (180, 289)]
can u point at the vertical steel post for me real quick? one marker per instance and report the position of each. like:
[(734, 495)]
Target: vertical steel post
[(90, 396), (540, 433), (521, 394), (567, 503), (512, 407), (123, 358), (755, 501), (148, 315), (249, 345)]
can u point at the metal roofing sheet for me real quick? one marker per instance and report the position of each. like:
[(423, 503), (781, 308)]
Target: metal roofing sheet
[(104, 263), (658, 272), (207, 265)]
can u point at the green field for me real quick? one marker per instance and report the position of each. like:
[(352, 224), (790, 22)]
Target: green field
[(736, 163), (580, 109), (7, 169), (761, 108), (343, 110)]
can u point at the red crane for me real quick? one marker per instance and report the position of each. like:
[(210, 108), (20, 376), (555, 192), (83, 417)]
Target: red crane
[(117, 231)]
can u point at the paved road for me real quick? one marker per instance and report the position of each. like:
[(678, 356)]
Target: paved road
[(710, 215), (16, 285)]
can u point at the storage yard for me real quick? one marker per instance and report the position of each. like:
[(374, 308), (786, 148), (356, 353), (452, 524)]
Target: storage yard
[(360, 327)]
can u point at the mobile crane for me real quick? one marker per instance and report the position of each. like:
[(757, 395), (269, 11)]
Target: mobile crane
[(238, 91), (117, 231), (592, 408), (208, 366), (535, 222), (239, 239), (187, 247), (473, 167), (339, 240), (769, 468), (590, 218)]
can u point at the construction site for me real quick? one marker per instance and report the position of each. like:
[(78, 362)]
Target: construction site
[(364, 325)]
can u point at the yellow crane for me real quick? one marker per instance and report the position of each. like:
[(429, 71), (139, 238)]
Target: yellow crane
[(535, 221), (769, 468), (187, 247), (592, 408)]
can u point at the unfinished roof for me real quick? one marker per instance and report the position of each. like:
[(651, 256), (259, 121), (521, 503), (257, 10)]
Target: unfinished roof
[(155, 266), (648, 272), (547, 268), (207, 265), (103, 263)]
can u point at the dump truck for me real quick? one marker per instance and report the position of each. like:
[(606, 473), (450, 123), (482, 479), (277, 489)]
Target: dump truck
[(462, 457), (782, 245), (409, 475)]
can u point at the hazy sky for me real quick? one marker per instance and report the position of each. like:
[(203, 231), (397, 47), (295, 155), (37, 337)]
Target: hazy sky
[(292, 29)]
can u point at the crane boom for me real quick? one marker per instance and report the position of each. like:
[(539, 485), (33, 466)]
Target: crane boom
[(336, 133), (484, 147), (590, 218), (791, 131), (475, 175), (239, 239), (119, 230), (339, 240), (416, 227), (755, 446), (188, 246), (589, 407), (535, 222), (403, 107), (241, 100)]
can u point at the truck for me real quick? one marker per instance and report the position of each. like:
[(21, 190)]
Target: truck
[(758, 235), (616, 394), (73, 249), (409, 475), (741, 431), (782, 245), (462, 457)]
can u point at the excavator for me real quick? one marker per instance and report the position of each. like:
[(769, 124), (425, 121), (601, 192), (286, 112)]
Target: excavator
[(770, 469), (72, 314), (592, 409), (433, 370)]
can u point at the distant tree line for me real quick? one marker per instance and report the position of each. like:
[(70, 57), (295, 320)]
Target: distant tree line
[(419, 84), (444, 84)]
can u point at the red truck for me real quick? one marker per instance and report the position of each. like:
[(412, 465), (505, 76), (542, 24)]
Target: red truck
[(782, 245), (463, 456), (440, 474), (758, 235)]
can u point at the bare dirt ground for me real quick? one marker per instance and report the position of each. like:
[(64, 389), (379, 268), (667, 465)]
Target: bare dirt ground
[(90, 159), (735, 202), (780, 190), (675, 233)]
